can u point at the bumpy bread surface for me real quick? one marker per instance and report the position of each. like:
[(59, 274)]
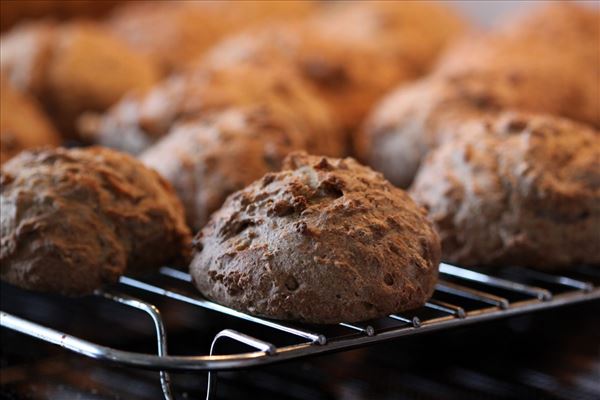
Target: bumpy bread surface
[(73, 67), (413, 119), (23, 125), (139, 120), (352, 53), (573, 72), (73, 220), (323, 241), (508, 69), (209, 158), (417, 117), (516, 189)]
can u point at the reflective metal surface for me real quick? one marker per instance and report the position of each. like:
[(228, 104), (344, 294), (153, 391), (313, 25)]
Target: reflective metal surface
[(490, 306)]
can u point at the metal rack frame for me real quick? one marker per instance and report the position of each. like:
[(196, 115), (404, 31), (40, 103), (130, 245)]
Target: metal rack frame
[(314, 342)]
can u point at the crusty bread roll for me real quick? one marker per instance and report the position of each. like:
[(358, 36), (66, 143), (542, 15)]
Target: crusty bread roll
[(517, 67), (209, 158), (351, 53), (323, 241), (175, 33), (74, 220), (71, 68), (516, 189), (139, 120)]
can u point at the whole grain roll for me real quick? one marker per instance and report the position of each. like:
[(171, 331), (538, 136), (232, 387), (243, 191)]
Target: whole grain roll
[(139, 120), (417, 117), (23, 125), (351, 53), (512, 68), (175, 33), (209, 158), (323, 241), (71, 68), (74, 220), (556, 44), (567, 82), (516, 189)]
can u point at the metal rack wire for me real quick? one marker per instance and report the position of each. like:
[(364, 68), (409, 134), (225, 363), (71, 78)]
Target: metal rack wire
[(488, 297)]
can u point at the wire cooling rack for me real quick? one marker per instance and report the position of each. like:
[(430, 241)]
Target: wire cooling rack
[(462, 296)]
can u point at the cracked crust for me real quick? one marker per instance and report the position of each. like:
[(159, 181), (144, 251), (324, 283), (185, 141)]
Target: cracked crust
[(74, 220), (323, 241), (517, 189)]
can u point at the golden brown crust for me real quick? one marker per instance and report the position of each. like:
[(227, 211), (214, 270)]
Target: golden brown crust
[(516, 189), (72, 68), (323, 241), (23, 125), (74, 220), (352, 53), (174, 33), (138, 121)]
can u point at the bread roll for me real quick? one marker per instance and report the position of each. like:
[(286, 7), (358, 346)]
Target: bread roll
[(75, 220), (323, 241), (516, 189)]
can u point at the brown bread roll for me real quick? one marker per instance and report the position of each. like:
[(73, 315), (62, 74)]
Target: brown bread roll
[(208, 159), (138, 121), (353, 52), (74, 220), (174, 33), (72, 68), (516, 189), (23, 125), (323, 241), (513, 68)]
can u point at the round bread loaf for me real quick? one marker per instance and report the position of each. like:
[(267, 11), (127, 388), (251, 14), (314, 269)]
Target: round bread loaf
[(516, 189), (208, 159), (174, 33), (323, 241), (419, 116), (138, 121), (73, 220), (352, 53), (71, 68), (571, 67), (22, 124), (508, 69)]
